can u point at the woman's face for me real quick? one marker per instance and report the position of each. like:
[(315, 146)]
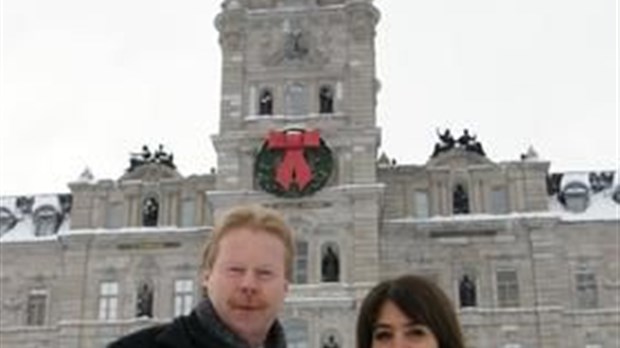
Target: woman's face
[(394, 329)]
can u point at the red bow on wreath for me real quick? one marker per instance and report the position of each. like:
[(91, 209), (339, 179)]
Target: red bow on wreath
[(293, 167)]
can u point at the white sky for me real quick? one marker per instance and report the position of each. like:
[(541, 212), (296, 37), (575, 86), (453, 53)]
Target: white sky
[(84, 83)]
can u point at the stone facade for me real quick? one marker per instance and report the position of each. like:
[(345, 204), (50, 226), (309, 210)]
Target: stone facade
[(118, 255)]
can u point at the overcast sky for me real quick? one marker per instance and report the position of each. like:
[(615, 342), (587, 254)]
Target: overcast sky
[(84, 83)]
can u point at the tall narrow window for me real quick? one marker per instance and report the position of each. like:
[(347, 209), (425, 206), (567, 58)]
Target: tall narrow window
[(114, 215), (150, 212), (326, 99), (499, 200), (36, 307), (420, 204), (265, 102), (296, 331), (188, 212), (183, 296), (587, 290), (460, 200), (507, 288), (300, 273), (108, 300)]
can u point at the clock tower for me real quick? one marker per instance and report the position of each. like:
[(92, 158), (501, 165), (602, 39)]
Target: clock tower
[(298, 133)]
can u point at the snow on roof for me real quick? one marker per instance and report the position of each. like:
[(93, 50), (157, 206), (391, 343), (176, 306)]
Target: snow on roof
[(601, 207), (21, 223)]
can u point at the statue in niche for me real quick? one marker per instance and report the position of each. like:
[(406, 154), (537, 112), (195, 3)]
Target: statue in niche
[(460, 201), (265, 103), (326, 100), (150, 212), (295, 45), (467, 292), (330, 266), (144, 303), (331, 342)]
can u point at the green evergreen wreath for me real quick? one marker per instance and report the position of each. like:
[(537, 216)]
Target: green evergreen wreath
[(319, 160)]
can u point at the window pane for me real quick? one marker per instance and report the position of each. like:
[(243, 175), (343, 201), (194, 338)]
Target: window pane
[(499, 201), (188, 208), (507, 288), (183, 296), (108, 300), (420, 203), (36, 308), (587, 291), (114, 215)]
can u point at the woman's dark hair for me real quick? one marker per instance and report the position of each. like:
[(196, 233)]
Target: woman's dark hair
[(420, 300)]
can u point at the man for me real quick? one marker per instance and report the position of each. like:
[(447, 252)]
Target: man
[(247, 266)]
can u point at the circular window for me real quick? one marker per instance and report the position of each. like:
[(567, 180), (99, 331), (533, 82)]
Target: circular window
[(575, 196)]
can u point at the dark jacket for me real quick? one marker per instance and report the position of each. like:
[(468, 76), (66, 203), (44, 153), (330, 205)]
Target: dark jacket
[(200, 329)]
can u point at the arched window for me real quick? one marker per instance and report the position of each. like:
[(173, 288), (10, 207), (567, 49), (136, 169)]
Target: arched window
[(150, 212), (460, 200), (144, 300), (330, 262), (46, 221), (296, 331), (326, 99), (265, 102)]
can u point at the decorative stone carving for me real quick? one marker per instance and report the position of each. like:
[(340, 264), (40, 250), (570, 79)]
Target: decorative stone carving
[(293, 46), (363, 18)]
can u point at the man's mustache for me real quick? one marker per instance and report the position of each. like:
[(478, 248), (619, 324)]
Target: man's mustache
[(247, 302)]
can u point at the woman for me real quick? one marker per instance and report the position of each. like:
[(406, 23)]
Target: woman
[(408, 311)]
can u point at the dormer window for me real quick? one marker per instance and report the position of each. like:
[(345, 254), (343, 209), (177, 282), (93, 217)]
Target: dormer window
[(7, 221), (575, 196), (46, 221)]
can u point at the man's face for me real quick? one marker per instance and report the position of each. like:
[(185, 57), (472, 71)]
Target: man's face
[(247, 283)]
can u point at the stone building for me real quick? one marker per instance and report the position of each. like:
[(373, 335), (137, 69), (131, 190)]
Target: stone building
[(529, 257)]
